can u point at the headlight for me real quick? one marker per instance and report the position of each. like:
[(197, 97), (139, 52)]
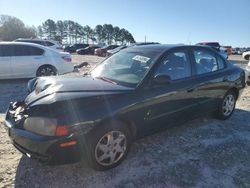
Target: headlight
[(41, 125)]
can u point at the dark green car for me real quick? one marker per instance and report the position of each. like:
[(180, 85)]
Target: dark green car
[(133, 93)]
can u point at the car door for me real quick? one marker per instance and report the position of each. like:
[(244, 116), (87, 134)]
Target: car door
[(173, 102), (25, 61), (5, 61), (211, 79)]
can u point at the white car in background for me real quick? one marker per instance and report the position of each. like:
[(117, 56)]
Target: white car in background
[(48, 43), (246, 55), (27, 60)]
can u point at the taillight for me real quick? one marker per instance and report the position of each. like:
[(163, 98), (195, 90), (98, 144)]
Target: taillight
[(67, 59), (59, 48)]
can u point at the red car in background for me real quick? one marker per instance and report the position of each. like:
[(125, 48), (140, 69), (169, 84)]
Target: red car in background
[(103, 51), (229, 49)]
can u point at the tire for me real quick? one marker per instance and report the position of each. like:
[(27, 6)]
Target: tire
[(227, 106), (46, 70), (109, 145), (247, 57)]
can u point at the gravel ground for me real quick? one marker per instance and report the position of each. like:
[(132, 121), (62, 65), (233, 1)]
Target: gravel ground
[(201, 153)]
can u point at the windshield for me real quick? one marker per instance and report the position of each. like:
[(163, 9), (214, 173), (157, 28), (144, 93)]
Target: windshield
[(126, 68)]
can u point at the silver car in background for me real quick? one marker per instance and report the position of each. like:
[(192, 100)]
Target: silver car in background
[(27, 60), (48, 43)]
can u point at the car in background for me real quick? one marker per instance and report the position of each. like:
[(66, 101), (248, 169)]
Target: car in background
[(113, 51), (103, 51), (27, 60), (241, 51), (235, 51), (142, 43), (131, 94), (217, 47), (229, 50), (48, 43), (246, 55), (90, 50), (74, 47)]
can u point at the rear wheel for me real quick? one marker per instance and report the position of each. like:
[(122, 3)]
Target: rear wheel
[(247, 57), (227, 106), (109, 145), (46, 70)]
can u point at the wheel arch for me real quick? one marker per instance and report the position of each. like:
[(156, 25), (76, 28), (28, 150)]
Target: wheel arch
[(128, 123), (235, 90)]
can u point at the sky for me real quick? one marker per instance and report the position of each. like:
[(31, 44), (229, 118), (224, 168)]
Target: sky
[(164, 21)]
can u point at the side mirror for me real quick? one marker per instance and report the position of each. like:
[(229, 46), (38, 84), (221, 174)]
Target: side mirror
[(161, 79)]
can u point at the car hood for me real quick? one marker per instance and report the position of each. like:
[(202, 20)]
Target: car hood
[(70, 86)]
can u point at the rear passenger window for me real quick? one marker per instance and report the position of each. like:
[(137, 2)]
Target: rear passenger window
[(22, 50), (205, 61), (176, 65), (6, 50)]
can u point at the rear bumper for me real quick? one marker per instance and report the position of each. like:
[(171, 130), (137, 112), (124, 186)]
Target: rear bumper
[(66, 67)]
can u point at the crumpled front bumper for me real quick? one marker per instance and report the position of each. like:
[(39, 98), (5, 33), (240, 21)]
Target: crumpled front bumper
[(44, 148)]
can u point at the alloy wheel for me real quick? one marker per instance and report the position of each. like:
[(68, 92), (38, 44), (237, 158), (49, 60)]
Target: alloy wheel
[(47, 71), (110, 148), (228, 105)]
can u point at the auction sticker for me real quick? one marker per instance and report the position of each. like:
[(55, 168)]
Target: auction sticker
[(140, 58)]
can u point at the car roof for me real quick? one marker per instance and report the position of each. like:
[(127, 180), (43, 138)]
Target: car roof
[(27, 44), (28, 39), (207, 42), (162, 47)]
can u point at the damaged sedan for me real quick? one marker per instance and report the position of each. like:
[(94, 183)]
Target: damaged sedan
[(131, 94)]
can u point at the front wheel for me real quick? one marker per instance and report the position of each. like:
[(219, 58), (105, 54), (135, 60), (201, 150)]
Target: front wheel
[(227, 106), (109, 145)]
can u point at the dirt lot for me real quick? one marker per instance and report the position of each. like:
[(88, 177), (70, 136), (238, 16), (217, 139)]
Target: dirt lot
[(202, 153)]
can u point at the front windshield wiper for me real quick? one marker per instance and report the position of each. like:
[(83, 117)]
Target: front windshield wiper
[(106, 79)]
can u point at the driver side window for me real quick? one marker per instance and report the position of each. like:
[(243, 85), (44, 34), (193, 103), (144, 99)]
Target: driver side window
[(176, 65)]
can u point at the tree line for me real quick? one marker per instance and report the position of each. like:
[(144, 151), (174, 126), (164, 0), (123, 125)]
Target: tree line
[(12, 28), (66, 31), (72, 32)]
